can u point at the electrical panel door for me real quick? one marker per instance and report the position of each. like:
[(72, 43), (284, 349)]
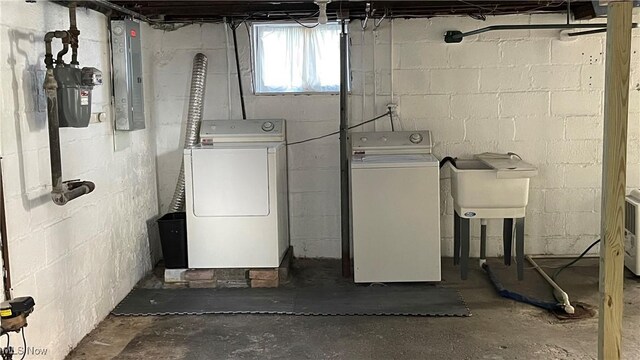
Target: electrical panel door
[(127, 74)]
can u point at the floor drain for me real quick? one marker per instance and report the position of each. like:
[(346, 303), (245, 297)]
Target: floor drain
[(582, 311)]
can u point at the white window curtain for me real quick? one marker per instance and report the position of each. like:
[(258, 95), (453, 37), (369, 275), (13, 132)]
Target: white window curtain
[(290, 58)]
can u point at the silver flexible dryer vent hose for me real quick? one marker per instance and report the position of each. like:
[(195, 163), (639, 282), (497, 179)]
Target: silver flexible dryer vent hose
[(194, 117)]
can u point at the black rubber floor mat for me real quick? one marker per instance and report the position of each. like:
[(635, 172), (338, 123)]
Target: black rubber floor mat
[(399, 300)]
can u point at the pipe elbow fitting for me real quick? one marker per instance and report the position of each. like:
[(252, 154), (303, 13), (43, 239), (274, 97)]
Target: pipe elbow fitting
[(71, 190), (89, 185), (48, 37), (58, 198), (60, 34)]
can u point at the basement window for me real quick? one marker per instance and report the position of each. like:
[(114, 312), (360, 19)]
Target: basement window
[(291, 58)]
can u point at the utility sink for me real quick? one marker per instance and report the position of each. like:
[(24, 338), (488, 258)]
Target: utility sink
[(491, 186)]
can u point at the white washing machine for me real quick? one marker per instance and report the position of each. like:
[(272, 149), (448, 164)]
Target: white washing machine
[(236, 195), (395, 202)]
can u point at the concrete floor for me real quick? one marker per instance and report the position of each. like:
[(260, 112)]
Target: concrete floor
[(498, 329)]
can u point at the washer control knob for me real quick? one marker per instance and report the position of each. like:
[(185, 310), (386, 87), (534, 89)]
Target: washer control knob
[(384, 139), (267, 126), (415, 138), (364, 139)]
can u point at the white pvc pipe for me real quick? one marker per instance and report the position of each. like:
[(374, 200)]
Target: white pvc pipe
[(559, 294), (483, 227)]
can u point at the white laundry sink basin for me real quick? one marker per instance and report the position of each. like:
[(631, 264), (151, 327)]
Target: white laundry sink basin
[(485, 191)]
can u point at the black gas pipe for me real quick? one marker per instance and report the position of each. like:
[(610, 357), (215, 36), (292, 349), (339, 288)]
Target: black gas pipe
[(62, 191), (74, 33), (6, 273)]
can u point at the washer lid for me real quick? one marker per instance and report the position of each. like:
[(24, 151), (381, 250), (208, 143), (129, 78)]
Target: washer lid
[(391, 142), (393, 160), (217, 131)]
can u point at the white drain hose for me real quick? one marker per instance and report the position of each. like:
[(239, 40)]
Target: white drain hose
[(194, 117)]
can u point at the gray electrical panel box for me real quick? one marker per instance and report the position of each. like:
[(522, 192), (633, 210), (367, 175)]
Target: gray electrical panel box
[(127, 74)]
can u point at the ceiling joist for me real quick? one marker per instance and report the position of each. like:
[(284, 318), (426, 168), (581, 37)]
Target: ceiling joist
[(261, 10)]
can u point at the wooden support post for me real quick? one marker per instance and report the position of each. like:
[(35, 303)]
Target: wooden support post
[(614, 169)]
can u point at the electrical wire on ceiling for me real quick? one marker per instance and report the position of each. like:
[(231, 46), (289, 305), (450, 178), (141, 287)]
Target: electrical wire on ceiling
[(227, 47), (236, 24), (367, 10), (478, 16), (301, 23), (234, 27), (480, 7), (494, 10), (171, 21), (376, 24)]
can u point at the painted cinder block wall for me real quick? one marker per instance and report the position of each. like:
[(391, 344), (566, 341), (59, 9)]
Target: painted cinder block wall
[(523, 91), (78, 261), (313, 174)]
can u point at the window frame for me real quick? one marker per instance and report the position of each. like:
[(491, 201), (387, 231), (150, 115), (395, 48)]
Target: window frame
[(254, 64)]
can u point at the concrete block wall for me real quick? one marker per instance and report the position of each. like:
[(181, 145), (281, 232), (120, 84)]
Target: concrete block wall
[(528, 92), (313, 167), (523, 91), (78, 261)]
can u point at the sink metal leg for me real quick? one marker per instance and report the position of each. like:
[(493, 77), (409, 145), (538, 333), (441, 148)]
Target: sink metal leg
[(464, 240), (507, 239), (520, 247), (483, 239), (456, 238)]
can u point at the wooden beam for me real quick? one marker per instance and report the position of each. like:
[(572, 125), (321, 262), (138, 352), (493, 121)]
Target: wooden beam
[(614, 170)]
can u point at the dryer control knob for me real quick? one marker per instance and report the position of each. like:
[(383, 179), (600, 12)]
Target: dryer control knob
[(267, 126), (415, 138), (364, 139)]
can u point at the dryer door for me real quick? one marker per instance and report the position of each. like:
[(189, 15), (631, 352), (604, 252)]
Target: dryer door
[(230, 182)]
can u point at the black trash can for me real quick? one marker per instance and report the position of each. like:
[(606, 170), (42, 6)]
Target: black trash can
[(173, 237)]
